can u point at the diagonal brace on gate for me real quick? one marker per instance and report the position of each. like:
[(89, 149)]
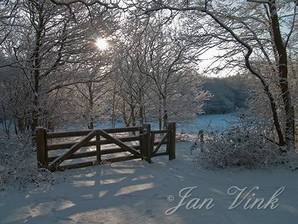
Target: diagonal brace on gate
[(118, 142), (72, 150), (160, 143)]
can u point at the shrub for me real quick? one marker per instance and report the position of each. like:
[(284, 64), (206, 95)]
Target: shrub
[(18, 166), (243, 145)]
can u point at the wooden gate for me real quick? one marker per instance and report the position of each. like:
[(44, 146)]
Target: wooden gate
[(92, 146)]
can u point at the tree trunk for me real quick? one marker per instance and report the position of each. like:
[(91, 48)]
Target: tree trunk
[(141, 109), (114, 108), (36, 63), (283, 76), (124, 115), (21, 124), (91, 107), (160, 114), (165, 112), (141, 115), (132, 115)]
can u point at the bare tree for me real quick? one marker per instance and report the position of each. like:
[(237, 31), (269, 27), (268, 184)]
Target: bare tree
[(51, 46), (235, 25), (155, 72), (8, 16)]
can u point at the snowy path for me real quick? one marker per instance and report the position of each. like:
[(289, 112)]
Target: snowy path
[(137, 192)]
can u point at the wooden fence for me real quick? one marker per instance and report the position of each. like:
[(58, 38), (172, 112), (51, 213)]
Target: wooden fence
[(135, 142)]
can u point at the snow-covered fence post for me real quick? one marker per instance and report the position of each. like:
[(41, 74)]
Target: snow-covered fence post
[(41, 146), (171, 144), (145, 142)]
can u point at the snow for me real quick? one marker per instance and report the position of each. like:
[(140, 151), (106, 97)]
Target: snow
[(137, 192)]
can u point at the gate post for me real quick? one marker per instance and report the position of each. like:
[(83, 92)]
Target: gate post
[(171, 144), (41, 146), (145, 145), (98, 148)]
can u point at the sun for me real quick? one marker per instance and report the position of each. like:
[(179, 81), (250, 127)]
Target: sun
[(102, 44)]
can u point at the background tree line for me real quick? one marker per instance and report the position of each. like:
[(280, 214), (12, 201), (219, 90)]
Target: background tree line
[(153, 68), (228, 95)]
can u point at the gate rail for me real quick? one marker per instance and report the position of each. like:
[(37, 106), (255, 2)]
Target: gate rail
[(147, 147)]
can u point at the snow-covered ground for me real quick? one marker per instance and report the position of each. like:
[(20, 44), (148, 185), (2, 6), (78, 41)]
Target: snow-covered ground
[(137, 192)]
